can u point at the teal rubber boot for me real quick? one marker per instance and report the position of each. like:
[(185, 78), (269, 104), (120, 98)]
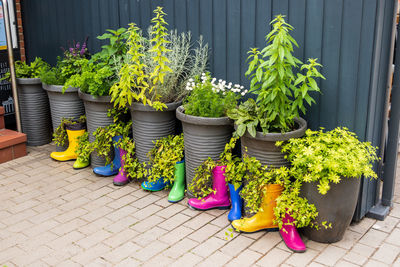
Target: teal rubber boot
[(177, 192)]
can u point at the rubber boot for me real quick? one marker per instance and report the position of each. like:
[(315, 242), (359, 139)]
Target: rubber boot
[(290, 235), (158, 185), (219, 199), (73, 132), (122, 177), (80, 164), (237, 202), (111, 169), (264, 219), (177, 192)]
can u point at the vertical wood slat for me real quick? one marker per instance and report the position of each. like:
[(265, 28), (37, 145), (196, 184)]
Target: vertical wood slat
[(232, 41), (219, 38), (247, 34)]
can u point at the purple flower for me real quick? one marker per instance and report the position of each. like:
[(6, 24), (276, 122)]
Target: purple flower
[(78, 45)]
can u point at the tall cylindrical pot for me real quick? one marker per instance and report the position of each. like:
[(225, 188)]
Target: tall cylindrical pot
[(96, 109), (35, 111), (149, 125), (263, 147), (63, 105), (203, 137), (337, 206)]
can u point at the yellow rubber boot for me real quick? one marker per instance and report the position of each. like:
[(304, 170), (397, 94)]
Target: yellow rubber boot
[(69, 154), (264, 219)]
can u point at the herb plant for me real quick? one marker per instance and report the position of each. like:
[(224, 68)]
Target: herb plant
[(32, 70), (280, 93), (210, 99), (60, 136), (163, 157)]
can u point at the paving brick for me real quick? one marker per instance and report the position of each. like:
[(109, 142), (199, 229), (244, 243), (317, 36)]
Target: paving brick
[(204, 232), (95, 226), (146, 212), (330, 255), (149, 236), (145, 201), (387, 225), (355, 258), (374, 263), (198, 221), (148, 223), (180, 248), (188, 259), (373, 238), (235, 246), (28, 258), (93, 239), (70, 215), (266, 243), (65, 228), (123, 201), (245, 258), (362, 249), (97, 213), (121, 224), (343, 263), (349, 239), (170, 211), (90, 254), (171, 237), (208, 247), (66, 240), (121, 252), (386, 253), (38, 240), (302, 259), (216, 259), (150, 251), (128, 262), (362, 226), (394, 237), (120, 238), (121, 213), (174, 221)]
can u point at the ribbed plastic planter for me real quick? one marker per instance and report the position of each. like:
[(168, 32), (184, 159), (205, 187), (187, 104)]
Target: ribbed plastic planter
[(204, 137), (35, 111), (263, 146), (96, 109), (336, 207), (63, 105), (149, 125)]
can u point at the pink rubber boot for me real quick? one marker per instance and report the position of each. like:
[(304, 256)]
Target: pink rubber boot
[(290, 235), (217, 200), (122, 177)]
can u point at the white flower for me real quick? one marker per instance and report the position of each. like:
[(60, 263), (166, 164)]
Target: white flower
[(241, 87), (243, 93), (191, 80)]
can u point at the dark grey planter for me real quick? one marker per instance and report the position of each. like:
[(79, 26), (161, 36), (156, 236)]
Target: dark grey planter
[(96, 109), (336, 207), (263, 146), (35, 111), (149, 125), (67, 105), (204, 137)]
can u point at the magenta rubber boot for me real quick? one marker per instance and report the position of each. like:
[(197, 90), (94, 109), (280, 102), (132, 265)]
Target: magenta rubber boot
[(290, 236), (122, 177), (219, 199)]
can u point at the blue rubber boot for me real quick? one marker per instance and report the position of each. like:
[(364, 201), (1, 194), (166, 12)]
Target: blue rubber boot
[(108, 170), (155, 186), (237, 202)]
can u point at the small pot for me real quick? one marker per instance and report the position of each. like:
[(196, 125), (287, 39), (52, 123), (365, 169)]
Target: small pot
[(35, 111), (337, 206), (263, 147), (63, 105), (96, 109), (149, 125), (203, 137)]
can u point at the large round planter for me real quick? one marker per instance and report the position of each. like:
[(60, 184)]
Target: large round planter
[(35, 111), (96, 109), (149, 125), (63, 105), (337, 206), (203, 137), (263, 147)]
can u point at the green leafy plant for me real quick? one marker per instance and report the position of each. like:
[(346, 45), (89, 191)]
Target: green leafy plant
[(163, 157), (280, 93), (328, 157), (84, 148), (60, 136), (32, 70), (210, 99), (132, 166)]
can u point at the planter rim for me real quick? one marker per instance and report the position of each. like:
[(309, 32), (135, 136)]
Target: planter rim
[(201, 120), (58, 88), (140, 107), (91, 98), (29, 81), (280, 136)]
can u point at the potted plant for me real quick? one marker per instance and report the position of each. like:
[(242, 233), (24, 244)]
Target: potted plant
[(94, 82), (328, 167), (275, 114), (152, 80), (64, 102), (167, 167), (33, 100), (206, 127)]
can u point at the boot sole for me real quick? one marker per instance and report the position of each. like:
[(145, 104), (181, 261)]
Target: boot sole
[(80, 168), (265, 229), (101, 175), (62, 160), (120, 184), (214, 208), (176, 201), (294, 250)]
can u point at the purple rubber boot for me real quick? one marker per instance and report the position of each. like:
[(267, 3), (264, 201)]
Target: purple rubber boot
[(122, 177), (219, 199), (290, 235)]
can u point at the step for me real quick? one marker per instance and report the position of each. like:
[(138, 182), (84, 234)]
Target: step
[(12, 145), (2, 126)]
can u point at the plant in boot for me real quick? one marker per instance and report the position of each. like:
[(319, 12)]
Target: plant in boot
[(280, 93), (32, 70), (83, 150), (60, 136), (163, 158)]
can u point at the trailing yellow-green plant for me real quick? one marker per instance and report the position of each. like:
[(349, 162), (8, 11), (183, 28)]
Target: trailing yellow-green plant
[(84, 148), (60, 136), (132, 166), (163, 157)]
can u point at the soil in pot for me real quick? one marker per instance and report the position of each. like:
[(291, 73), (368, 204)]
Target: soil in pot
[(336, 207)]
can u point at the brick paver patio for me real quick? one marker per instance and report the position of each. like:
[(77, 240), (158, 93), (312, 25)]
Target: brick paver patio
[(53, 215)]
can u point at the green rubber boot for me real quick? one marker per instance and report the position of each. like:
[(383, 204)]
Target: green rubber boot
[(80, 164), (177, 192)]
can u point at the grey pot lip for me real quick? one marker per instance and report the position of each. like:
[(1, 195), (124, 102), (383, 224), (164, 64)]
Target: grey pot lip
[(29, 81), (91, 98), (201, 120), (281, 136), (58, 88), (136, 106)]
